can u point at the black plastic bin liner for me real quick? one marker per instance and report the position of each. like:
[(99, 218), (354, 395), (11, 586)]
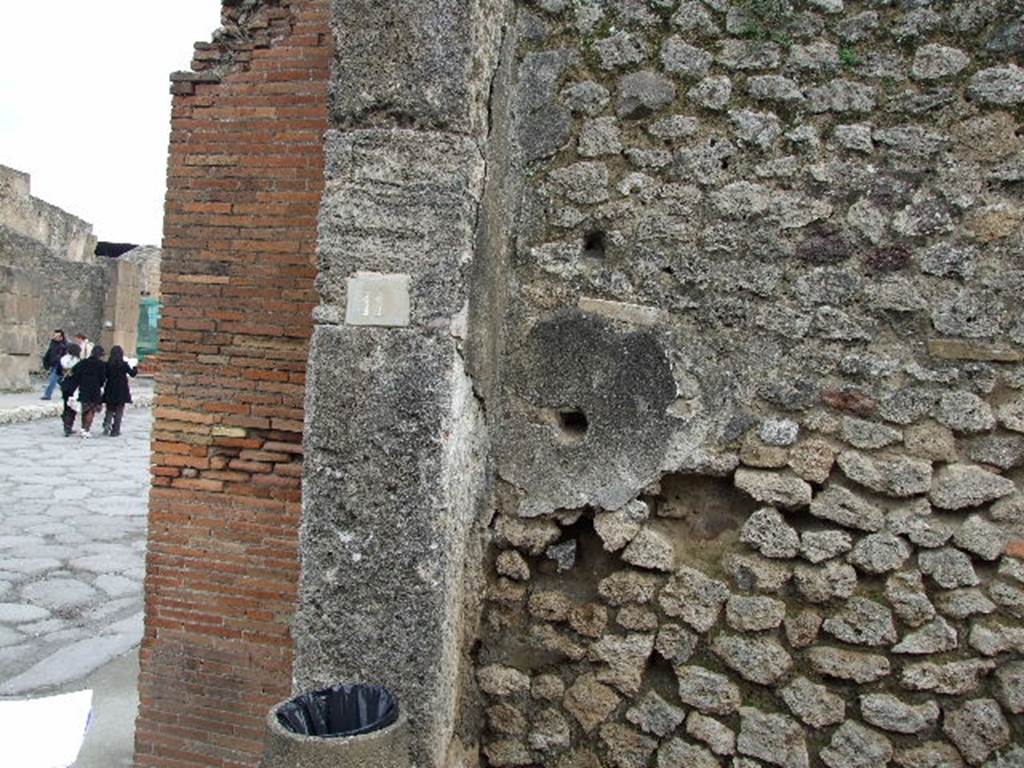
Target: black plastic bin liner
[(341, 710)]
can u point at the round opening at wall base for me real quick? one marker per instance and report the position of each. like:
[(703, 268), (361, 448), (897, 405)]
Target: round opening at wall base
[(340, 711)]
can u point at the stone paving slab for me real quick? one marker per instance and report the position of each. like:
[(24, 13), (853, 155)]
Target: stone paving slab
[(72, 549)]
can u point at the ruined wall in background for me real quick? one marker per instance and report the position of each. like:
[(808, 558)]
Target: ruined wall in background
[(244, 184), (54, 279), (759, 438), (66, 236)]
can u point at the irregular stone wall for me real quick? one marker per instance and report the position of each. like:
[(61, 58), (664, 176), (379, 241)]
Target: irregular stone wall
[(759, 434)]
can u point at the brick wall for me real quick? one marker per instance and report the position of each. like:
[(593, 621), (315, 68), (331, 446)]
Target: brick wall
[(245, 178)]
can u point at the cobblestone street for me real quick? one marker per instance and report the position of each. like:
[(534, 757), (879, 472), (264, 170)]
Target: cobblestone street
[(72, 550)]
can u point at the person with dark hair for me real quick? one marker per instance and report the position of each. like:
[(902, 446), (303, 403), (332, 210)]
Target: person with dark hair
[(51, 361), (67, 364), (117, 392), (88, 379)]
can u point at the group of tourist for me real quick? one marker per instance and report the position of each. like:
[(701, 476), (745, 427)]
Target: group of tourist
[(88, 383)]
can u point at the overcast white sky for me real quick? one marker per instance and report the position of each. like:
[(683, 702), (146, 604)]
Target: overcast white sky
[(85, 105)]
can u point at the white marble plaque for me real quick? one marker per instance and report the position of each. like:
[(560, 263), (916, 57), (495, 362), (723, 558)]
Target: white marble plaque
[(377, 299)]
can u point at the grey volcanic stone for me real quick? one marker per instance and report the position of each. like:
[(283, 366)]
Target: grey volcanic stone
[(931, 754), (936, 636), (819, 546), (756, 129), (779, 432), (773, 738), (624, 587), (812, 703), (676, 643), (547, 687), (1009, 686), (498, 680), (710, 692), (505, 752), (590, 702), (959, 486), (652, 714), (774, 88), (821, 584), (586, 97), (748, 54), (626, 659), (549, 732), (895, 476), (977, 728), (529, 536), (513, 565), (854, 746), (950, 568), (841, 96), (694, 598), (843, 506), (848, 665), (544, 126), (768, 533), (879, 553), (563, 555), (862, 622), (754, 614), (998, 85), (650, 549), (889, 713), (753, 572), (980, 537), (963, 603), (1011, 415), (676, 753), (619, 50), (584, 182), (906, 594), (719, 738), (642, 93), (954, 678), (802, 628), (993, 638), (781, 489), (1002, 451), (759, 659), (625, 747), (600, 137), (915, 520), (933, 62), (1009, 598), (711, 92), (868, 434), (681, 58)]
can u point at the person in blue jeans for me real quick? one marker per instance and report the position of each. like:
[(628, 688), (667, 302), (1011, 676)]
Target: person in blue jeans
[(51, 361)]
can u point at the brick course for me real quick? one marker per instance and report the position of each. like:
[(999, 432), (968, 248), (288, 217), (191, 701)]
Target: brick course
[(245, 177)]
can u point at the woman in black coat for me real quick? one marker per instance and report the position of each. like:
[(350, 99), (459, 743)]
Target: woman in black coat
[(89, 376), (117, 393)]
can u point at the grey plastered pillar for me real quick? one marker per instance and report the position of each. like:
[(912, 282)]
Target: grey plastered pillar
[(396, 445)]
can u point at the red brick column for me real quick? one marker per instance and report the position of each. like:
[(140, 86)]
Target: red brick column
[(245, 178)]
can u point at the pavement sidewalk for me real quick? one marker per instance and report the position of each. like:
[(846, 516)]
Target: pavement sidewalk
[(19, 407), (73, 520)]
